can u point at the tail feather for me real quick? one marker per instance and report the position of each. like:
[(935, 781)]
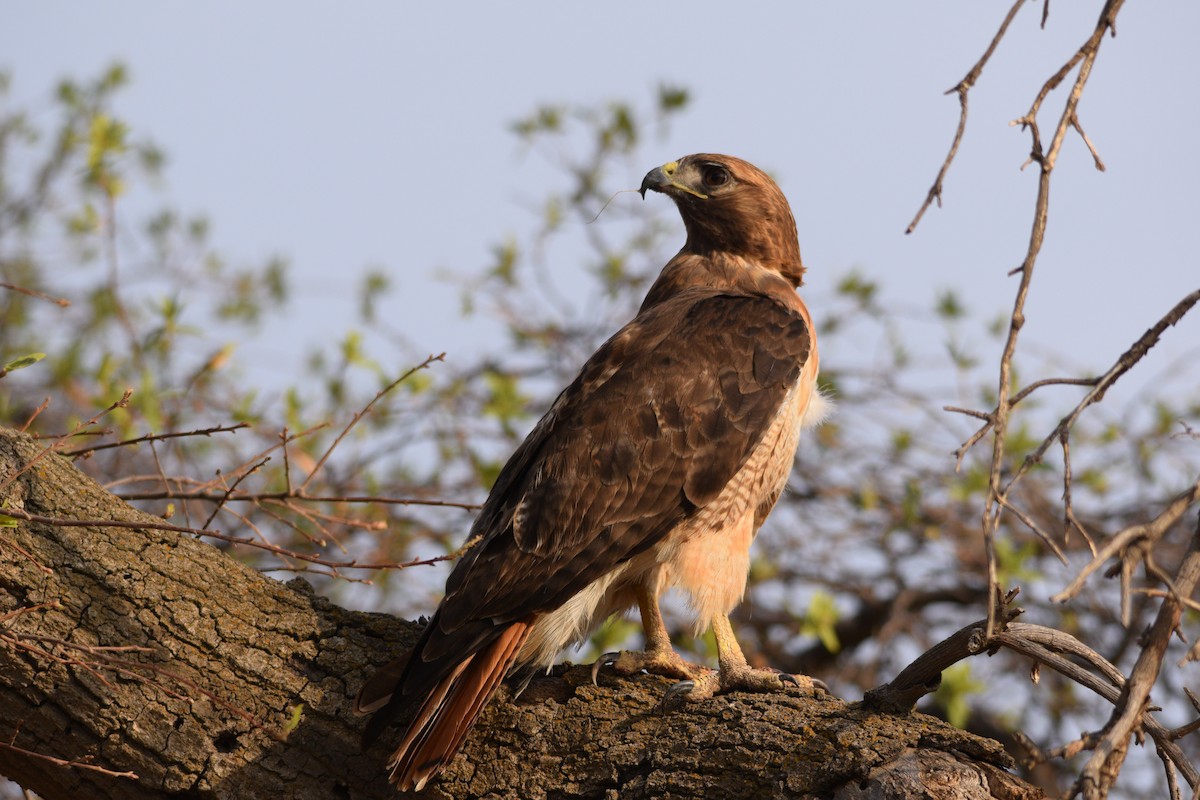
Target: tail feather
[(377, 692), (448, 712)]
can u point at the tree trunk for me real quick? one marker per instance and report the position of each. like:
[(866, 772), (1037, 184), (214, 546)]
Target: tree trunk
[(238, 686)]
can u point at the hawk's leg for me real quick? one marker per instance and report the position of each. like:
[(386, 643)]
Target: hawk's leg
[(735, 673), (659, 658)]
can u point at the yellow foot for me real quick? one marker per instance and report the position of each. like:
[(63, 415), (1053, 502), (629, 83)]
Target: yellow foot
[(741, 678), (656, 662)]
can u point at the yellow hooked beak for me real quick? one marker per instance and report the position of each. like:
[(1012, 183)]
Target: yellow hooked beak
[(661, 178)]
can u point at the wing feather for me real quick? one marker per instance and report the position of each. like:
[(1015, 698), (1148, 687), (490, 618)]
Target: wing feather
[(657, 422)]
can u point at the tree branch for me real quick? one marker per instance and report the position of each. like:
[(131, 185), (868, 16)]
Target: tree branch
[(228, 684)]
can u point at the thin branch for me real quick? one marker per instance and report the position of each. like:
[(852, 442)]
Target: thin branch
[(993, 506), (1128, 359), (58, 301), (261, 545), (53, 446), (1031, 388), (364, 411), (232, 488), (1091, 147), (36, 413), (1150, 531), (1046, 538), (154, 437), (962, 89), (65, 763), (259, 497), (1105, 763), (970, 412), (352, 564)]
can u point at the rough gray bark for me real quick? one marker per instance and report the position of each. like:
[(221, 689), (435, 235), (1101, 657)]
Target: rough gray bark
[(203, 710)]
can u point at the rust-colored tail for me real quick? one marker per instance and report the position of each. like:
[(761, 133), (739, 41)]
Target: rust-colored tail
[(449, 711)]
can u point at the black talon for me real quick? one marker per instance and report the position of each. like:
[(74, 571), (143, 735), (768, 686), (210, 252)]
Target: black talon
[(601, 662), (675, 692), (787, 677)]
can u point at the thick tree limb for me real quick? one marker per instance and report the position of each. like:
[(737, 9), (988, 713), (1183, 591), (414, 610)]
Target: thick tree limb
[(145, 651)]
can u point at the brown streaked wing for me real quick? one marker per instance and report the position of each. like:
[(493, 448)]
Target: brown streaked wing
[(658, 421)]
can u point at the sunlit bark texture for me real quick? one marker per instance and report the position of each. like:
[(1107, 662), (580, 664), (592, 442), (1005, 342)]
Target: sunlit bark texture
[(154, 665)]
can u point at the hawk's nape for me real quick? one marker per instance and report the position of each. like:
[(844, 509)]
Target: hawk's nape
[(654, 469)]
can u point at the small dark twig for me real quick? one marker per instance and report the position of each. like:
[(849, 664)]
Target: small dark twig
[(962, 88), (36, 413), (214, 534), (57, 443), (242, 475), (366, 410), (58, 301), (154, 437), (259, 497), (62, 762)]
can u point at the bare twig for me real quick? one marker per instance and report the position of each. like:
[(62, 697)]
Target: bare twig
[(155, 437), (1105, 763), (970, 412), (1046, 538), (36, 412), (260, 497), (366, 410), (242, 475), (1150, 531), (214, 534), (962, 89), (62, 762), (57, 443), (1091, 147), (1128, 359), (1100, 386), (58, 301)]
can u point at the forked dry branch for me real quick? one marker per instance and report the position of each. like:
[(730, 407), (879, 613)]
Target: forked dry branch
[(1131, 547)]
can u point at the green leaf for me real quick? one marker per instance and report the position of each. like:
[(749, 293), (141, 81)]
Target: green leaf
[(672, 98), (293, 722), (855, 286), (505, 400), (23, 361), (821, 621), (504, 268), (957, 686), (1015, 564), (948, 306)]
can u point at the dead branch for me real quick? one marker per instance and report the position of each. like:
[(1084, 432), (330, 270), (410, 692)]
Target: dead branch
[(1084, 57), (1148, 532), (58, 301), (261, 497), (962, 89), (151, 524), (62, 762), (155, 437), (1104, 765), (366, 410), (57, 443)]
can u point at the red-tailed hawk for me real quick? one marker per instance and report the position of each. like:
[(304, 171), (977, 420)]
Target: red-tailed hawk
[(654, 469)]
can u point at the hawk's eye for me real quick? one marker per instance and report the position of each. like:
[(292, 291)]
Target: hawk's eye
[(714, 175)]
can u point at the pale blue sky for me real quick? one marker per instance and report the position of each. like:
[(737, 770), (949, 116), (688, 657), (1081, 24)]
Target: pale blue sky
[(346, 135)]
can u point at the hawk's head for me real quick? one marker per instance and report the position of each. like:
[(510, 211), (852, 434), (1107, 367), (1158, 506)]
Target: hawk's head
[(729, 205)]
